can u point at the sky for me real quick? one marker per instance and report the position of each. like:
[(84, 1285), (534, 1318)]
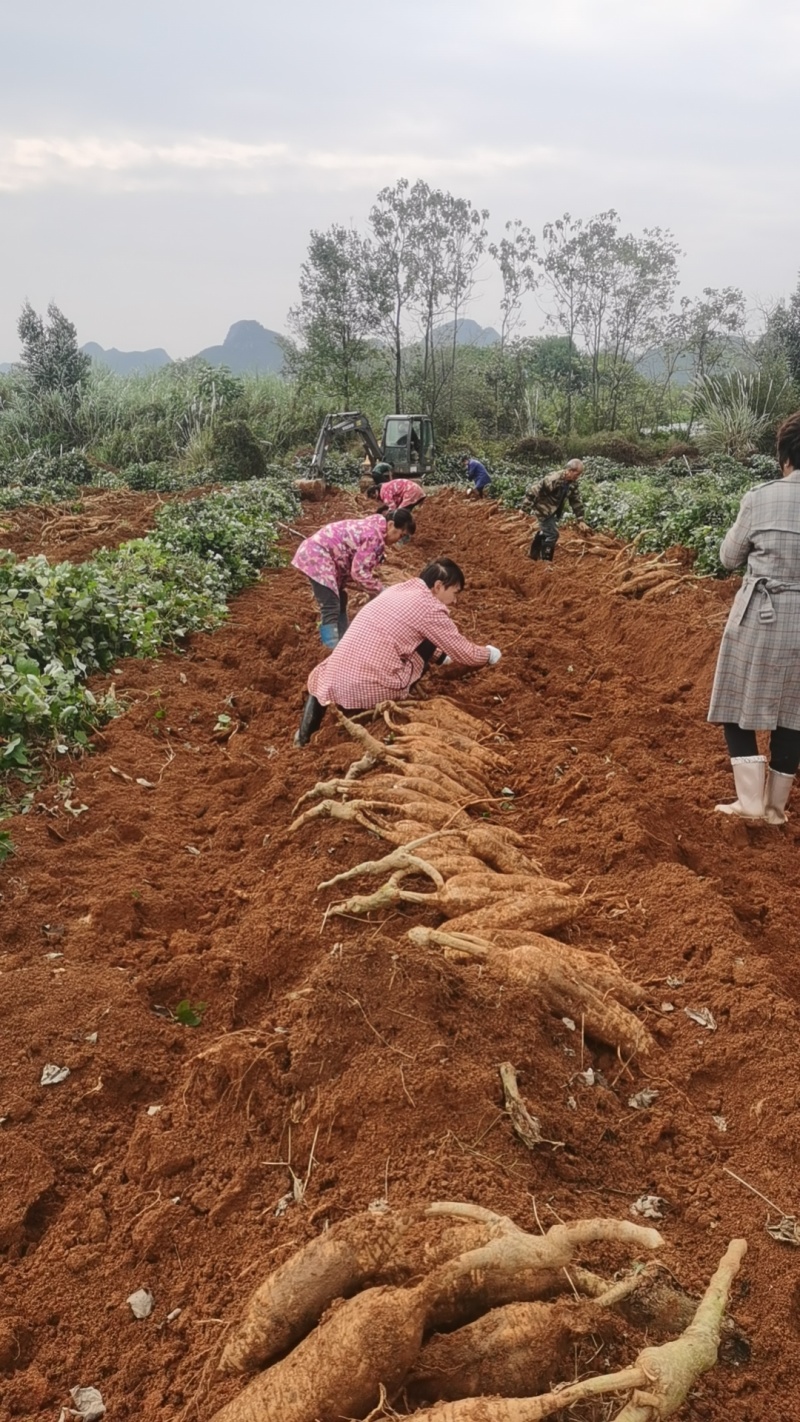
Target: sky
[(162, 164)]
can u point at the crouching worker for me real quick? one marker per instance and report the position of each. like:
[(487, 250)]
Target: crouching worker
[(350, 551), (390, 644), (478, 474), (397, 494), (546, 500)]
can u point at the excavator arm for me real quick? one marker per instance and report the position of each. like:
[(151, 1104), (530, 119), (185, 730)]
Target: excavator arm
[(351, 422)]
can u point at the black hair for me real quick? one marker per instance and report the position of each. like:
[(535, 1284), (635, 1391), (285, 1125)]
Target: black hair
[(402, 518), (789, 441), (443, 570), (374, 491)]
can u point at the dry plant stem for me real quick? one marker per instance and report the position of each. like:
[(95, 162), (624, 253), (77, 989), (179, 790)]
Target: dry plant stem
[(401, 860), (523, 1123), (673, 1369)]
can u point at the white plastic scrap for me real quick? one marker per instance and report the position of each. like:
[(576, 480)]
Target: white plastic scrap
[(642, 1099), (649, 1206), (720, 1122), (52, 1074), (568, 1023), (154, 1110), (591, 1077), (668, 1007), (675, 982), (87, 1403), (141, 1303), (702, 1016)]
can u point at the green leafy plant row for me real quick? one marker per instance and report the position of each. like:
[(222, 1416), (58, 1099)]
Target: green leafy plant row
[(61, 622)]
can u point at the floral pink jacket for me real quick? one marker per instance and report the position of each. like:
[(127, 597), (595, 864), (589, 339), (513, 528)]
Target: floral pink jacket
[(401, 493), (348, 551)]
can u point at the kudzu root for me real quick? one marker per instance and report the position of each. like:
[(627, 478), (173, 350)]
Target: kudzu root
[(509, 1351), (369, 1248), (566, 982), (462, 893), (538, 911)]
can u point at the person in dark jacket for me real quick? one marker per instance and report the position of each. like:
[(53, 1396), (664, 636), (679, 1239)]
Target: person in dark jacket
[(547, 500), (478, 473)]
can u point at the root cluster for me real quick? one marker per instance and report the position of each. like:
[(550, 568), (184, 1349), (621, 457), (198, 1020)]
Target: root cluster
[(451, 1308), (415, 790)]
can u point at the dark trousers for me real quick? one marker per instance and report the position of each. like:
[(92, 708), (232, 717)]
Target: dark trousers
[(333, 622), (784, 746)]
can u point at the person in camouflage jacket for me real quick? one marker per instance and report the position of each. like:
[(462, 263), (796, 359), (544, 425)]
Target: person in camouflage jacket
[(546, 500)]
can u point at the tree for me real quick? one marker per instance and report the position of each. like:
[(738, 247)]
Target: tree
[(783, 332), (393, 260), (336, 313), (50, 356), (565, 272), (516, 258)]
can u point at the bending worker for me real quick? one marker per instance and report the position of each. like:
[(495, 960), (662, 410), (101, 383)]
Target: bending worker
[(347, 552), (546, 500), (389, 645), (757, 681), (397, 494), (478, 473)]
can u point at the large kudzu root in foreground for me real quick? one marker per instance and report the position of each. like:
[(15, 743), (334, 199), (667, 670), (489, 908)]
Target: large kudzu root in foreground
[(515, 1349), (659, 1381), (374, 1247), (373, 1340), (565, 980)]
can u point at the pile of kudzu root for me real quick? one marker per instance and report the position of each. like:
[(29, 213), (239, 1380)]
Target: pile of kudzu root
[(436, 764), (456, 1311)]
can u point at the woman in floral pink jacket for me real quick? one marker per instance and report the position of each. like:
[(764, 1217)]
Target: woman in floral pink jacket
[(349, 551), (398, 494)]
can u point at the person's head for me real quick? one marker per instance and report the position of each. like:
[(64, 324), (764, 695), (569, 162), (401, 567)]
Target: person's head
[(445, 580), (383, 472), (789, 443), (400, 526), (465, 458), (573, 470)]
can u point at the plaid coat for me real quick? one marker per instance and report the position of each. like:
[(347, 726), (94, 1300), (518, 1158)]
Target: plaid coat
[(757, 681), (376, 660), (346, 552)]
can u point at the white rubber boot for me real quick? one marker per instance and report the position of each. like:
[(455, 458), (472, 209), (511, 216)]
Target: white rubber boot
[(749, 777), (779, 788)]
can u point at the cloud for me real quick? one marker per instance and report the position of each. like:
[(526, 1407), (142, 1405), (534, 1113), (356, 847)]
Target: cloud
[(138, 165)]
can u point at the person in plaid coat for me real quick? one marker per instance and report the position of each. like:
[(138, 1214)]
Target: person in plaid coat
[(349, 551), (757, 680), (389, 644)]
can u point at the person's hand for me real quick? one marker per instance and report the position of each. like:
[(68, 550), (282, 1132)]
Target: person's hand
[(494, 655)]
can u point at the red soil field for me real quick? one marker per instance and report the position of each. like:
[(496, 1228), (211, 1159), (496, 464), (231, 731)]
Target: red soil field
[(345, 1037)]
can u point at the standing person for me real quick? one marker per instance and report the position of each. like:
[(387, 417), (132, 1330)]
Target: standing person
[(347, 552), (398, 494), (389, 645), (478, 473), (546, 500), (757, 680)]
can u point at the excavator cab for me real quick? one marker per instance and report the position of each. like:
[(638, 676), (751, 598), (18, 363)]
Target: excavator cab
[(408, 443)]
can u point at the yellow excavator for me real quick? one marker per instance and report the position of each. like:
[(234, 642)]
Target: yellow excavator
[(407, 442)]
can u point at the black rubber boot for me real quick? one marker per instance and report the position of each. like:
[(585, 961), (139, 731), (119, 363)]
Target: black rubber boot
[(548, 549), (313, 714), (536, 547)]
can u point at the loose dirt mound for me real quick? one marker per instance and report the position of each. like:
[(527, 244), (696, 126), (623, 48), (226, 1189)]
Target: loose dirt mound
[(367, 1064)]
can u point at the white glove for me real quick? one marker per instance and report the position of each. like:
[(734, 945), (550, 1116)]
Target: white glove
[(494, 655)]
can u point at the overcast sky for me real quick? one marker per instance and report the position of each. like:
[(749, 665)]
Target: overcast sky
[(162, 163)]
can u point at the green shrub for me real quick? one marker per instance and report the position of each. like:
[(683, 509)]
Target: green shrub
[(235, 452), (618, 448), (536, 449)]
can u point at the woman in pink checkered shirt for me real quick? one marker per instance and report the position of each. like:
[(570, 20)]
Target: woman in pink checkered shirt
[(389, 644)]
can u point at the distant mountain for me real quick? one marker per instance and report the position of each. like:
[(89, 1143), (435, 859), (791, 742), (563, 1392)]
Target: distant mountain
[(653, 364), (468, 333), (127, 362), (248, 349)]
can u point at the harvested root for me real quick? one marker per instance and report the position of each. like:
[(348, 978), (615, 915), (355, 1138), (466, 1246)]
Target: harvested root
[(369, 1248), (539, 912), (660, 1380), (464, 893), (346, 810), (565, 980), (439, 711), (511, 1350)]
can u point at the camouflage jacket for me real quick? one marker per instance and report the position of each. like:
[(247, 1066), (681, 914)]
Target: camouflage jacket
[(550, 495)]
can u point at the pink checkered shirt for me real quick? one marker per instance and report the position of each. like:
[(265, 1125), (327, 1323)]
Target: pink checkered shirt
[(376, 659), (401, 493), (346, 552)]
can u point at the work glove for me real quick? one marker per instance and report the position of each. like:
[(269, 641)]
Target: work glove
[(494, 655)]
